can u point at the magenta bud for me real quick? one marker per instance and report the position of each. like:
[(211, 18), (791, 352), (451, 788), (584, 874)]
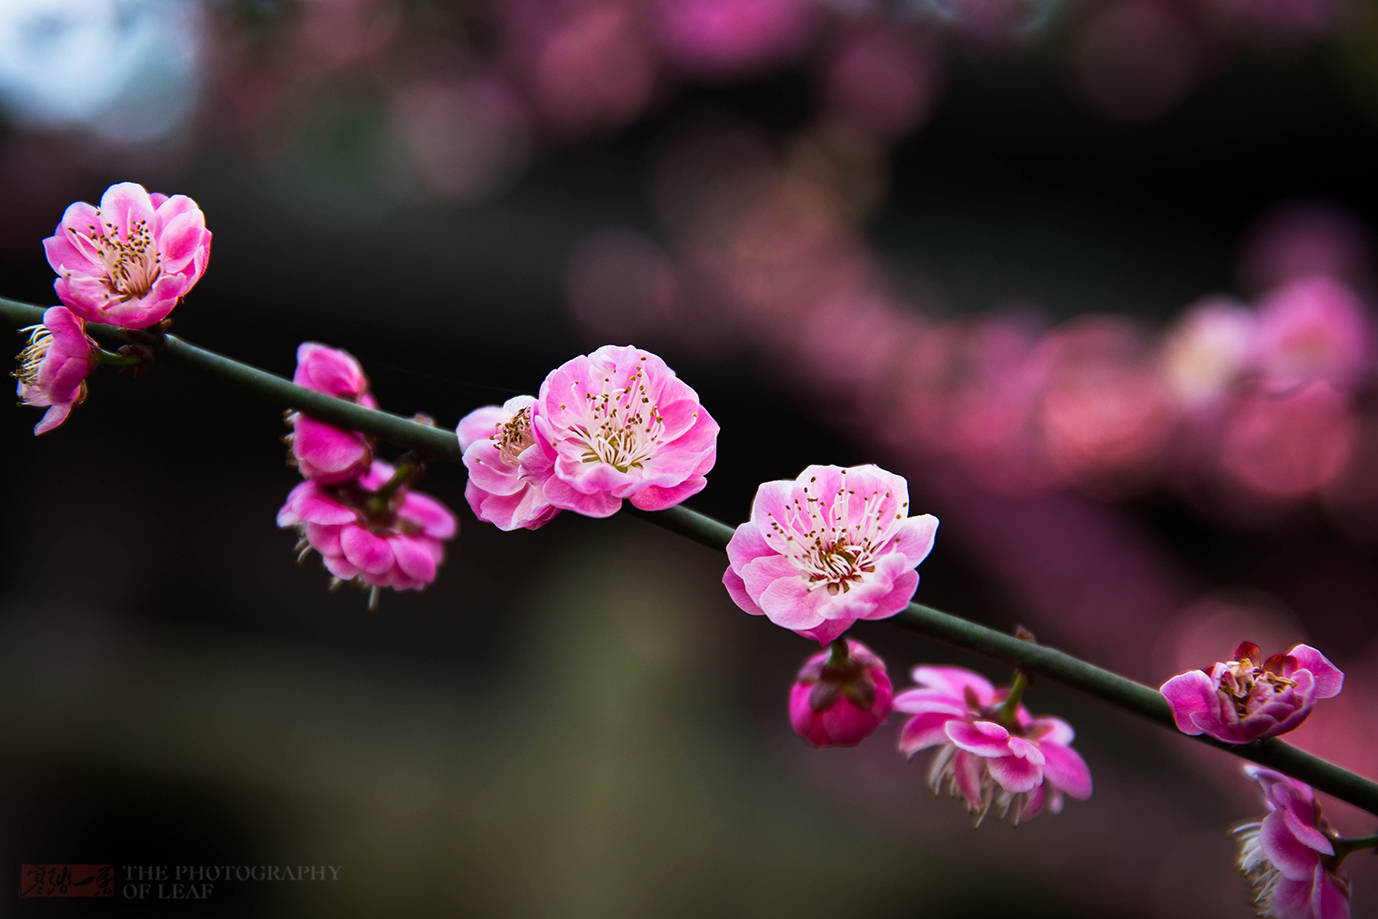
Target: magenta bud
[(837, 700)]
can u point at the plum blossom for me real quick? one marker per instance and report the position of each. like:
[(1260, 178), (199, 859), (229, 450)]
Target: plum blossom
[(323, 452), (376, 531), (829, 548), (1248, 698), (508, 469), (1289, 856), (620, 424), (1011, 762), (131, 260), (840, 696), (54, 365)]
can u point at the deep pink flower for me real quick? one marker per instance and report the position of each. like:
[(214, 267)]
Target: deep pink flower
[(1011, 767), (620, 425), (129, 261), (54, 365), (840, 696), (1288, 857), (1245, 699), (829, 548), (368, 535), (508, 469), (328, 454)]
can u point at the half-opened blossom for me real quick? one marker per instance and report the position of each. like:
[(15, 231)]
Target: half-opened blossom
[(1013, 765), (323, 452), (1247, 698), (372, 531), (620, 424), (831, 547), (131, 260), (508, 469), (1289, 856), (839, 698), (54, 365)]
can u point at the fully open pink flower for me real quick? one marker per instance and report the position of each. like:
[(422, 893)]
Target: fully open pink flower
[(620, 424), (365, 533), (840, 697), (508, 469), (1247, 698), (54, 365), (328, 454), (1312, 328), (829, 548), (1012, 765), (129, 261), (1288, 857)]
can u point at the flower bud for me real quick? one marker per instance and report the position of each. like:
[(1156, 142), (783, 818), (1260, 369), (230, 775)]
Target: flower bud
[(840, 695)]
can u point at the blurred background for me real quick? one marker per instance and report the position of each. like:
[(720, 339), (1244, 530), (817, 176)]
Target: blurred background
[(1095, 275)]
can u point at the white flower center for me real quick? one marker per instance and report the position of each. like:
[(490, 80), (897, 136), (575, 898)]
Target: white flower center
[(832, 547), (619, 425), (514, 437), (132, 264)]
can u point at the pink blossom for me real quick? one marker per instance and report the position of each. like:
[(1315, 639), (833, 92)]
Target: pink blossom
[(1313, 328), (1203, 355), (1012, 764), (620, 424), (829, 548), (328, 454), (508, 469), (54, 365), (375, 531), (131, 260), (728, 37), (1288, 857), (840, 696), (1244, 699)]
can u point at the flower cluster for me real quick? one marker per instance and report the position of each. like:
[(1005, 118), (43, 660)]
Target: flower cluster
[(612, 425), (831, 547), (1289, 856), (358, 512), (994, 755), (1249, 698)]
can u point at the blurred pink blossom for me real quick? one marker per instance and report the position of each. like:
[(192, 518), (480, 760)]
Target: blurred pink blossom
[(1103, 412), (508, 469), (1009, 764), (1203, 353), (620, 424), (1287, 447), (729, 37), (1312, 328), (1248, 698), (882, 81), (831, 547), (1137, 60), (376, 531), (323, 452), (53, 367), (1305, 239), (840, 696), (1288, 857), (131, 260)]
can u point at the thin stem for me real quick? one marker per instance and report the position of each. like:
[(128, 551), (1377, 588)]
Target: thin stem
[(441, 444), (111, 359), (1005, 713), (1345, 847)]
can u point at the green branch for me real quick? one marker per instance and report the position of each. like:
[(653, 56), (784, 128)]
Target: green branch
[(441, 444)]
